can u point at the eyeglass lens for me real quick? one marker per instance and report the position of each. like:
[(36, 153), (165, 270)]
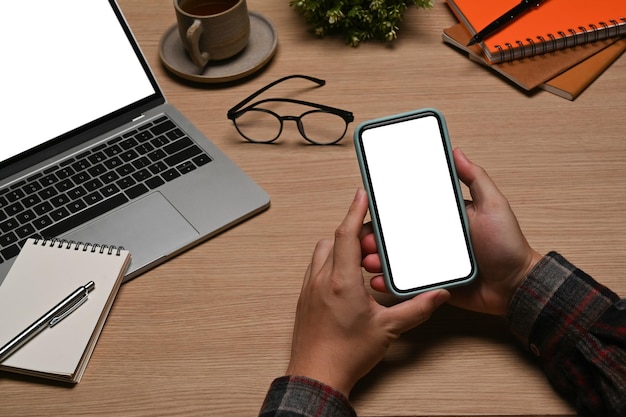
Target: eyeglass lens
[(318, 126)]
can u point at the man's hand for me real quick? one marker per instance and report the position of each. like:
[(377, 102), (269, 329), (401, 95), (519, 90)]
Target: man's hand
[(341, 332)]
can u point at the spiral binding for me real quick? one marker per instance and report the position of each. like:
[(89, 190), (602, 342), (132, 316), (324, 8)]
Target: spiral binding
[(542, 45), (84, 246)]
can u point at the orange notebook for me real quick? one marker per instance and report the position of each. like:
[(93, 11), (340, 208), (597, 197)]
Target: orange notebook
[(571, 83), (555, 24), (533, 72)]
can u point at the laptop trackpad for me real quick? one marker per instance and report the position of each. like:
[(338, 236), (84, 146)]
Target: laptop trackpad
[(150, 228)]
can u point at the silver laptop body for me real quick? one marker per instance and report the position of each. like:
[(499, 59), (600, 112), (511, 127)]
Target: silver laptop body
[(80, 99)]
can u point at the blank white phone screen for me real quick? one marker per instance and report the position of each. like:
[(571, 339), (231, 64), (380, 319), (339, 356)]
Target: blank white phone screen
[(416, 204)]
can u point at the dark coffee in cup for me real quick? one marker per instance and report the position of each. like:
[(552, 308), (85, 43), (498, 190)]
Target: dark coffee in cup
[(212, 29), (206, 7)]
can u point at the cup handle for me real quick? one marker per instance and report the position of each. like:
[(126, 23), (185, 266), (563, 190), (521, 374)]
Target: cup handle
[(193, 38)]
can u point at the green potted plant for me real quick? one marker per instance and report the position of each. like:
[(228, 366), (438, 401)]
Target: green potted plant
[(357, 20)]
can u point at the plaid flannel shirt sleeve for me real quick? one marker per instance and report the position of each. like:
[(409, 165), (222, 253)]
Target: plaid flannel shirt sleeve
[(577, 329), (297, 396)]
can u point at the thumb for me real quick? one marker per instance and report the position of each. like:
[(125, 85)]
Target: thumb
[(481, 186), (411, 313)]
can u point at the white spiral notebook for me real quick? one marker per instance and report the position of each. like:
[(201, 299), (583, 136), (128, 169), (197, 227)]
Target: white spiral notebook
[(44, 273)]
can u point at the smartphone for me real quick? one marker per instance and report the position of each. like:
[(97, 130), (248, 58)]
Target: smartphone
[(415, 201)]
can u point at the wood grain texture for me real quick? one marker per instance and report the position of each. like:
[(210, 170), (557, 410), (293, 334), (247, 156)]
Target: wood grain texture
[(205, 333)]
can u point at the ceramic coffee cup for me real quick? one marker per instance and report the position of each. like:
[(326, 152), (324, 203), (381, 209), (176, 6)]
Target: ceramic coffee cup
[(212, 29)]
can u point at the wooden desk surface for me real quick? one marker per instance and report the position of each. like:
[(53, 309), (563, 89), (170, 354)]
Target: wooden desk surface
[(205, 333)]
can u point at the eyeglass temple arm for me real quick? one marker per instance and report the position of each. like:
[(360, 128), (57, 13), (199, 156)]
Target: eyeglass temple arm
[(232, 111), (344, 114)]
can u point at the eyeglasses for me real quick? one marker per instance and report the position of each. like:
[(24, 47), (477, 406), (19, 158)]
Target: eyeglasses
[(322, 125)]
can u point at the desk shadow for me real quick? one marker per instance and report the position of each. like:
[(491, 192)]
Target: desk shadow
[(9, 376), (447, 324)]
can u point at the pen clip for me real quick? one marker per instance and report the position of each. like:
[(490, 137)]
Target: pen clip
[(55, 320)]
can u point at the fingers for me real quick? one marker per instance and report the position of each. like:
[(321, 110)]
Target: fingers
[(345, 250), (320, 254), (481, 186), (347, 243), (378, 284), (411, 313)]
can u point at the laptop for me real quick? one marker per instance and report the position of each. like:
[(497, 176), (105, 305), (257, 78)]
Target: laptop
[(92, 151)]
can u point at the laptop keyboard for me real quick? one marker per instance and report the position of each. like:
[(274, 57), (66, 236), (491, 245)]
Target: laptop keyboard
[(85, 186)]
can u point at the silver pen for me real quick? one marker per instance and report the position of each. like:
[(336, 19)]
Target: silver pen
[(50, 319)]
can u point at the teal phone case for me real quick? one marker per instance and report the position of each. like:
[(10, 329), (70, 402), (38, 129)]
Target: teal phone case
[(457, 189)]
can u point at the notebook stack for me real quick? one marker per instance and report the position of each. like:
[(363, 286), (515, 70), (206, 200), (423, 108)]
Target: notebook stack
[(560, 46)]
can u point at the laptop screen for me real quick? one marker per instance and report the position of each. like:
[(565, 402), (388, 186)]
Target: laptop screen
[(66, 64)]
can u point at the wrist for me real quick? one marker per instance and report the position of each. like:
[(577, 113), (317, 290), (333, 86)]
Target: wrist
[(531, 262), (322, 374)]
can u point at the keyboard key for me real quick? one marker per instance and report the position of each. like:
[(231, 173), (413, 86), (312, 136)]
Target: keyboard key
[(81, 165), (81, 177), (64, 185), (154, 182), (93, 185), (157, 155), (26, 216), (170, 174), (144, 136), (8, 225), (10, 252), (111, 151), (162, 127), (136, 191), (175, 134), (85, 215), (129, 134), (182, 155), (25, 231), (109, 190), (144, 148), (201, 159), (31, 200), (48, 180), (113, 163), (142, 175), (114, 141), (50, 170), (159, 141), (14, 209), (8, 239), (42, 208), (126, 182), (76, 193), (97, 170), (129, 155), (58, 214), (109, 177), (96, 158), (14, 195), (93, 198), (76, 206), (178, 145), (18, 184), (42, 222), (186, 167), (142, 162), (157, 167), (65, 172), (129, 143), (31, 188), (125, 170), (47, 193), (59, 200)]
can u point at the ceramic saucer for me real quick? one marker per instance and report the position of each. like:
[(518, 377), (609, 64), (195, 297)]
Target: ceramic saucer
[(259, 51)]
